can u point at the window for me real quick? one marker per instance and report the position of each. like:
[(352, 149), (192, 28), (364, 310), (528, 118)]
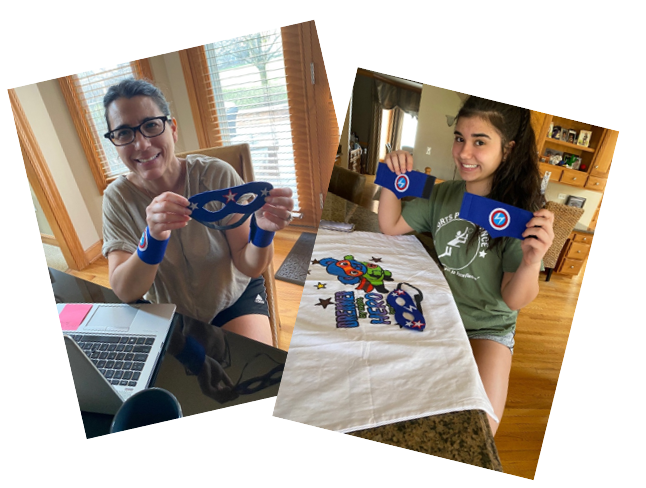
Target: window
[(409, 131), (250, 97), (84, 96), (269, 90)]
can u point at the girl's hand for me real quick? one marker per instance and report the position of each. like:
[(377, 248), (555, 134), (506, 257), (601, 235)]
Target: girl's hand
[(167, 212), (399, 161), (542, 228), (276, 213)]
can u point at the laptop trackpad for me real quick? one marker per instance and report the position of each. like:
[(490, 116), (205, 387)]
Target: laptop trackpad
[(116, 318)]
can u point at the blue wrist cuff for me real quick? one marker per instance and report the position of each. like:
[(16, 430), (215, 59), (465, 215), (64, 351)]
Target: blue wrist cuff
[(259, 237), (411, 184), (150, 250), (192, 356)]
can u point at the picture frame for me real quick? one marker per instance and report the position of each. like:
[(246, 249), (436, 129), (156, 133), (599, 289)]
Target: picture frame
[(574, 201), (572, 136), (584, 138), (556, 132), (576, 162), (564, 134)]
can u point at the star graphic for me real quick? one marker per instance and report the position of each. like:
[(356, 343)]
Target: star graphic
[(399, 292), (418, 325), (231, 197), (376, 260), (309, 271), (316, 261), (408, 324), (193, 205), (324, 303), (319, 286), (482, 254), (265, 192)]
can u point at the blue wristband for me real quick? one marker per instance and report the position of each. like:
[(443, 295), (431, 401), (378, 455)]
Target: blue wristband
[(150, 250), (192, 356), (257, 236)]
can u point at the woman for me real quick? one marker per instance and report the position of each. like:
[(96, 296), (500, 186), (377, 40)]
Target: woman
[(211, 275), (494, 151)]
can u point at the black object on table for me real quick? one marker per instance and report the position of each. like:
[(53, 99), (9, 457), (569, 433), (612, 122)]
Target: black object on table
[(255, 368)]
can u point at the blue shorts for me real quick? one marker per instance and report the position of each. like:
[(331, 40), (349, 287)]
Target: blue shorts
[(505, 339), (252, 301)]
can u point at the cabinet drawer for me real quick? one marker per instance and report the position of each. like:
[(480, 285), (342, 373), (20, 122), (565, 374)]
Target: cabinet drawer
[(573, 177), (587, 238), (578, 250), (555, 171), (596, 184), (571, 266)]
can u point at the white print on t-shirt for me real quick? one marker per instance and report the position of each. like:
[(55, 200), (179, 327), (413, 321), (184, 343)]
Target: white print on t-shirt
[(460, 238), (456, 262)]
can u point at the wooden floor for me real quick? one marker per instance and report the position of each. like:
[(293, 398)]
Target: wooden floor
[(542, 333)]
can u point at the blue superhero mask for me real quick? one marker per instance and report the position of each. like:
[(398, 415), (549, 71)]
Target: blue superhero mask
[(405, 307), (230, 197)]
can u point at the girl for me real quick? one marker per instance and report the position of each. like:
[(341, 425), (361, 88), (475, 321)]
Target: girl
[(494, 150), (211, 275)]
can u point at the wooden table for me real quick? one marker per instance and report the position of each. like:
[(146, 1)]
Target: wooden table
[(460, 436)]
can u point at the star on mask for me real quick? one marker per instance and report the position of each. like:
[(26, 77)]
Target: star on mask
[(193, 205), (231, 197)]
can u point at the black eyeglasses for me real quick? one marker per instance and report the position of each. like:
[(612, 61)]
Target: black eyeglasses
[(152, 127)]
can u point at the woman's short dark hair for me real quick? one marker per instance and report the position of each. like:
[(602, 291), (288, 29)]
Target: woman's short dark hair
[(130, 88)]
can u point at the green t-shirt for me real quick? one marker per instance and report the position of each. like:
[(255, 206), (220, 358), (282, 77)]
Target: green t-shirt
[(473, 271)]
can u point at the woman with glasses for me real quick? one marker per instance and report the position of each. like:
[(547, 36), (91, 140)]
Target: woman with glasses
[(154, 249)]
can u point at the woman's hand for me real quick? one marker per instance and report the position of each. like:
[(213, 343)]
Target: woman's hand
[(399, 161), (276, 213), (541, 227), (167, 212)]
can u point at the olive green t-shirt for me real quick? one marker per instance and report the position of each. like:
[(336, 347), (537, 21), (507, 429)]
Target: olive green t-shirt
[(473, 271)]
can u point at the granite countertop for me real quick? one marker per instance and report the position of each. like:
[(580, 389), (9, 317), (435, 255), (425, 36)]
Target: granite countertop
[(463, 436), (460, 436)]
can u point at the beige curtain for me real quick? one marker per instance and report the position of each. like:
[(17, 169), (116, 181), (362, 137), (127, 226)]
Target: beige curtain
[(374, 142), (396, 129)]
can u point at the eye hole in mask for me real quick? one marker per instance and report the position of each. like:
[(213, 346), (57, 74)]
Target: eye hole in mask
[(408, 312)]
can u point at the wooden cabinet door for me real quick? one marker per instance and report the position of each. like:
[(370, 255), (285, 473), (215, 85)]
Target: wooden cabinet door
[(601, 163)]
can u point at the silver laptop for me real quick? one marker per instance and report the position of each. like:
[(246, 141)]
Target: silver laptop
[(115, 350)]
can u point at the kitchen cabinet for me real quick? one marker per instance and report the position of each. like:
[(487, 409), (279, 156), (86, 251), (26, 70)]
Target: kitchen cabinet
[(574, 253), (595, 159)]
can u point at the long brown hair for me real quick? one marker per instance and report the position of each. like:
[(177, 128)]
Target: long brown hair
[(517, 180)]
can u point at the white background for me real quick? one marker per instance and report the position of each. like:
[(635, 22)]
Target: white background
[(576, 60)]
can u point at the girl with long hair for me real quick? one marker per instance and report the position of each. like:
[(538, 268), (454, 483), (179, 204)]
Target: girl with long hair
[(494, 150)]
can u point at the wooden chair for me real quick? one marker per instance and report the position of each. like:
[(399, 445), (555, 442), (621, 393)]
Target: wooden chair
[(347, 184), (565, 218), (239, 156)]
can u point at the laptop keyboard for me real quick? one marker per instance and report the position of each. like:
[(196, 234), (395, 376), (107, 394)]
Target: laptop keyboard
[(119, 358)]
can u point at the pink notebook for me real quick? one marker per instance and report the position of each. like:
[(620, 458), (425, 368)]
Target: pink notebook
[(72, 315)]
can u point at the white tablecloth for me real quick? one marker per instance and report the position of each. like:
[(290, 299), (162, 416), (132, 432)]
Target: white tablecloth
[(347, 379)]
